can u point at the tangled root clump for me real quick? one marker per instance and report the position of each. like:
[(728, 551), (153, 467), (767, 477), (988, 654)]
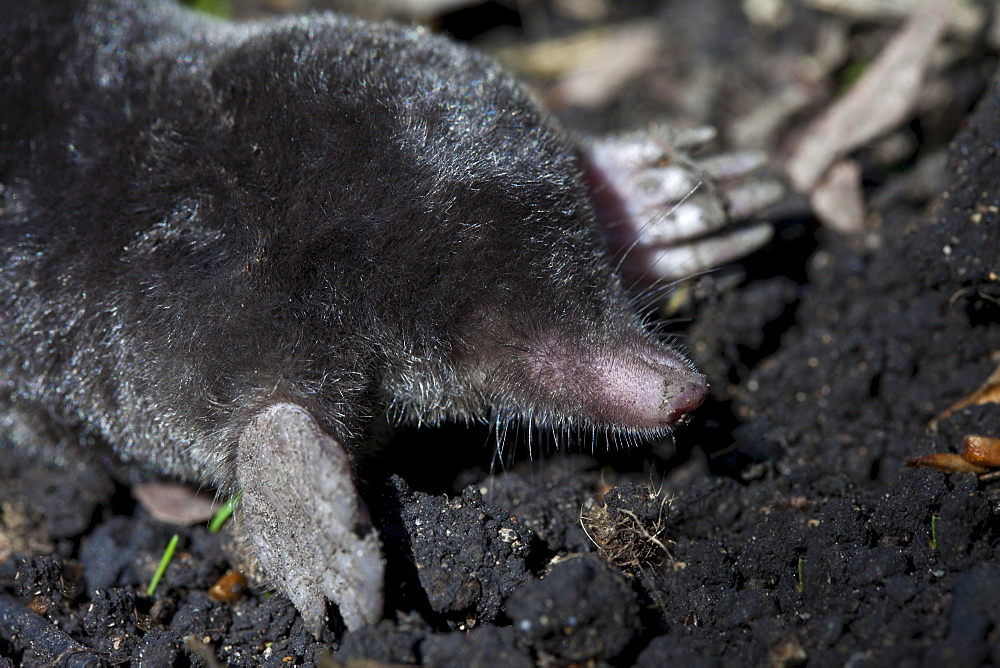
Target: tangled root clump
[(628, 525)]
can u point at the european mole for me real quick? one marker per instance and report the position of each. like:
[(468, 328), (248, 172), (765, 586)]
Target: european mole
[(227, 247)]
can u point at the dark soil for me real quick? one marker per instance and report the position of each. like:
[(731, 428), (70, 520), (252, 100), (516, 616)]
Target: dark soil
[(795, 532)]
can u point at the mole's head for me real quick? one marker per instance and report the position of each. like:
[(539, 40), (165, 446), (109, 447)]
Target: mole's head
[(450, 213), (538, 323), (498, 267)]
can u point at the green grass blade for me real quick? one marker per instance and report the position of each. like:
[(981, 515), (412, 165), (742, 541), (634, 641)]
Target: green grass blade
[(224, 512), (168, 554)]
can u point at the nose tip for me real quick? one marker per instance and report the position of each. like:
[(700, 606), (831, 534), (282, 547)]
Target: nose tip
[(630, 383), (688, 395)]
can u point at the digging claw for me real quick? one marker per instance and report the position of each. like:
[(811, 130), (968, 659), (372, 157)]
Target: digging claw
[(667, 216)]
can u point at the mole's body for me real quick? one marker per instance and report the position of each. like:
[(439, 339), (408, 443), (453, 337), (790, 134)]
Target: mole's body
[(225, 248)]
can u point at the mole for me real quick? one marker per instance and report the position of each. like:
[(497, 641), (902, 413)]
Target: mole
[(227, 248)]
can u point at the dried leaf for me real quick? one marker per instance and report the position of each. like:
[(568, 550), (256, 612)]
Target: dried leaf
[(966, 21), (883, 98), (838, 200), (590, 68), (175, 503), (949, 462), (987, 393)]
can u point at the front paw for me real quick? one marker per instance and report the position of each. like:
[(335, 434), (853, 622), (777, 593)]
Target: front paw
[(667, 216), (304, 521)]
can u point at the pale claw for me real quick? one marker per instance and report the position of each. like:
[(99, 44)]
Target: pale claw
[(684, 139), (733, 165), (747, 198), (667, 216), (709, 253)]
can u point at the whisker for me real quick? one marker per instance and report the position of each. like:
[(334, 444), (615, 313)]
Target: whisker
[(653, 219)]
